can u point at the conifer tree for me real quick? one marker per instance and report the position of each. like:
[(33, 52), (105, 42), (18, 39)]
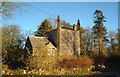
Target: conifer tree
[(44, 28), (99, 32)]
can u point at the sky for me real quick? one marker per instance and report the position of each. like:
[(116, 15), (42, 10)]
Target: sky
[(68, 11)]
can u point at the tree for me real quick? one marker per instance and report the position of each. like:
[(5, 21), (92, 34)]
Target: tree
[(99, 30), (87, 41), (9, 9), (113, 45), (99, 33), (52, 22), (28, 33), (112, 38), (12, 38), (43, 28), (63, 22)]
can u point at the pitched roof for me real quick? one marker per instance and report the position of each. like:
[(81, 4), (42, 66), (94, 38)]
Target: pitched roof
[(37, 41)]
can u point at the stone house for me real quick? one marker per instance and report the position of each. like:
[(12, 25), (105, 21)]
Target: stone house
[(34, 42), (65, 40)]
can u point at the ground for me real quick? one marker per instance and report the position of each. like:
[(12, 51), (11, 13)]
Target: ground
[(113, 72)]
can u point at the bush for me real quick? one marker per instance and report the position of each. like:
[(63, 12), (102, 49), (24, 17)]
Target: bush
[(99, 59), (113, 60), (15, 59), (75, 62), (41, 59)]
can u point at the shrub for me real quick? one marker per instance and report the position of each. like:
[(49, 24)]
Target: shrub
[(41, 59), (113, 60), (75, 62), (99, 59), (15, 59)]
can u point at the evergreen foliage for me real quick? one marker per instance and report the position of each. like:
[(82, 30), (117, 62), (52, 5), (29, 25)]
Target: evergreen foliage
[(99, 31), (44, 28)]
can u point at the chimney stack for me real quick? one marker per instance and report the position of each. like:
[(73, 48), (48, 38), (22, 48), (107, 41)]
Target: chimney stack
[(80, 37), (58, 34), (78, 23), (75, 27)]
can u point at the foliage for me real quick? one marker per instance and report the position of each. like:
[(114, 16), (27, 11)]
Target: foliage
[(45, 70), (53, 22), (75, 62), (44, 28), (12, 39), (99, 32), (99, 59), (41, 62), (87, 41), (63, 22), (113, 41), (9, 9), (113, 60), (74, 71), (15, 59), (42, 59)]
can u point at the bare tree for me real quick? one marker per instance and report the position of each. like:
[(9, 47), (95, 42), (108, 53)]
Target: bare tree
[(9, 9)]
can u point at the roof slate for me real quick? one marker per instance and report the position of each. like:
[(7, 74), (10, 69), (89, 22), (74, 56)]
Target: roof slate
[(37, 41)]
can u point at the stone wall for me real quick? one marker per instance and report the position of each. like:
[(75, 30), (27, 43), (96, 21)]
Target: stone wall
[(70, 44), (69, 41)]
